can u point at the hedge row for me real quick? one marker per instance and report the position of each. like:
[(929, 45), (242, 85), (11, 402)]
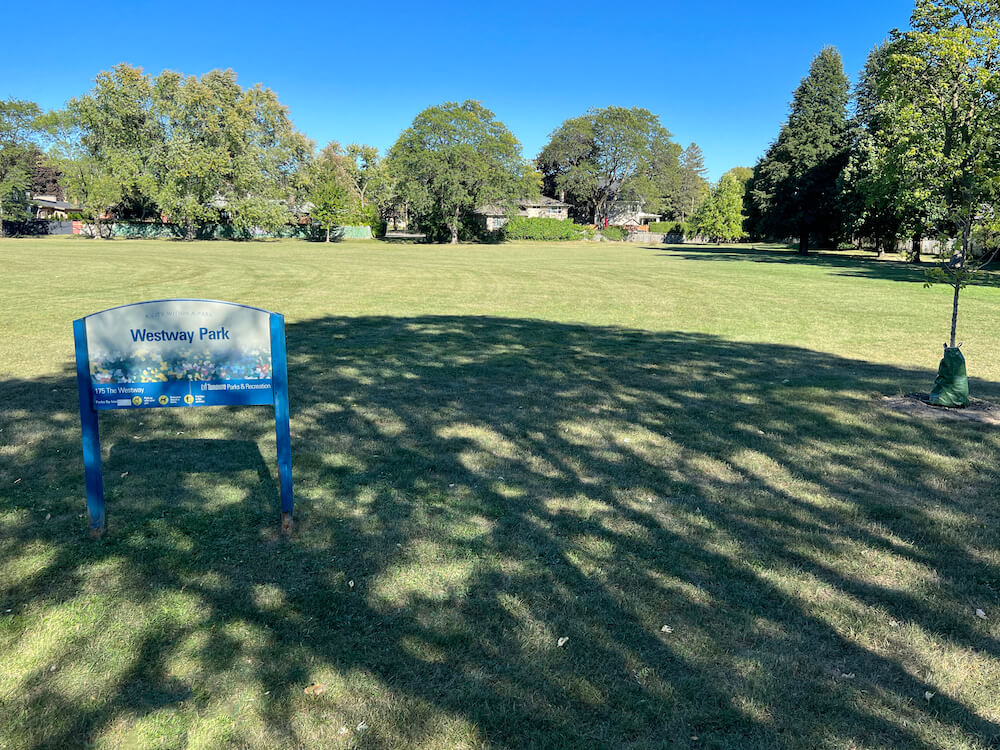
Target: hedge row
[(538, 228), (672, 227)]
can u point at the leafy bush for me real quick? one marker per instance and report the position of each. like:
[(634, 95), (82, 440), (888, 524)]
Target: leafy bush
[(682, 228), (539, 228), (615, 233)]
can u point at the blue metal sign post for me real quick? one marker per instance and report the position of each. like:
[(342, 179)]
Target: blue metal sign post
[(180, 353)]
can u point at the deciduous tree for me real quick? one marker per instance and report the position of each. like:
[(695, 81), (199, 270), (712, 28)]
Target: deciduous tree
[(721, 216), (453, 158), (611, 154), (18, 156), (943, 78)]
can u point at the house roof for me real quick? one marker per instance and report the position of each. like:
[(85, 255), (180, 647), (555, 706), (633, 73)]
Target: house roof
[(60, 205), (542, 202)]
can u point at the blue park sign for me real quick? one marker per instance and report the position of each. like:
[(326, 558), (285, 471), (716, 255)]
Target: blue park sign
[(180, 353)]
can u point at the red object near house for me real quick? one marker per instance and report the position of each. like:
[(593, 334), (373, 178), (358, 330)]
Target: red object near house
[(77, 227)]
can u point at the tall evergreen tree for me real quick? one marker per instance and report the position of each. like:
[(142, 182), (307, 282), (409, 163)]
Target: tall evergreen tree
[(693, 188), (795, 185)]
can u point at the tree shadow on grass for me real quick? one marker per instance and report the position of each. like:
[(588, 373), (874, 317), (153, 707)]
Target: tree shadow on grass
[(840, 263), (471, 490)]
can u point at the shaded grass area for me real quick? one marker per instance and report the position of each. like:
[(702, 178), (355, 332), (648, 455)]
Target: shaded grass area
[(470, 490), (851, 263)]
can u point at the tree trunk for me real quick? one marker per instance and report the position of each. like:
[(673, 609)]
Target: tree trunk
[(1, 219), (188, 231), (879, 248), (954, 315), (454, 228), (966, 232), (327, 232), (915, 249), (804, 242)]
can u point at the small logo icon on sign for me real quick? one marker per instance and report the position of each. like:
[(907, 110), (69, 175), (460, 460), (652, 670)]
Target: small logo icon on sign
[(163, 400), (189, 399), (137, 400)]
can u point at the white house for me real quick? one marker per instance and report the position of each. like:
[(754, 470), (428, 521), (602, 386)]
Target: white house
[(547, 208), (625, 213)]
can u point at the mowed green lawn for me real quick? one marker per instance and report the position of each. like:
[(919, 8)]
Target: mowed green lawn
[(677, 458)]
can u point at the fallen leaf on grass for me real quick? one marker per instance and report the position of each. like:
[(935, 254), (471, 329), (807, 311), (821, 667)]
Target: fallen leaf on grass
[(362, 726), (928, 695), (17, 481), (48, 516), (666, 629), (561, 642), (315, 688), (350, 584), (980, 614), (124, 474), (847, 675)]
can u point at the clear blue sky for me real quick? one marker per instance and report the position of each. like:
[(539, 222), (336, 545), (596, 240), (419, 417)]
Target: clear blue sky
[(718, 72)]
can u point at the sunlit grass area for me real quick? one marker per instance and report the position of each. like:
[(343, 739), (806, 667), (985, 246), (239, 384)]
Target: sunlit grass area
[(674, 458)]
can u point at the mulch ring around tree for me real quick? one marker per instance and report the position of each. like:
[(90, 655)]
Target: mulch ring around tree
[(918, 405)]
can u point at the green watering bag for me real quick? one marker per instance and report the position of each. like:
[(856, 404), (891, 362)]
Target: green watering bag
[(951, 387)]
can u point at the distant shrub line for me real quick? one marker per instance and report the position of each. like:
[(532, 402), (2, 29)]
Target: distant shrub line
[(683, 228), (540, 228)]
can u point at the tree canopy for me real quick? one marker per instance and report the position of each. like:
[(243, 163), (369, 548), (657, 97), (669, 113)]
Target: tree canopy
[(453, 159), (18, 157), (198, 150), (610, 154), (720, 216)]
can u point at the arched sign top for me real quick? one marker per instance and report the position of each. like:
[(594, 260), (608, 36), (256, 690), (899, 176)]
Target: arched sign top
[(179, 299), (180, 353)]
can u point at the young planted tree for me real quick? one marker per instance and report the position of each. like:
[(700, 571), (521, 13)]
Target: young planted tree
[(18, 156), (795, 191), (610, 154), (943, 77), (453, 158)]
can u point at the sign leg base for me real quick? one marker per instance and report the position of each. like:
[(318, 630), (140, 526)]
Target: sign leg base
[(286, 524), (97, 532)]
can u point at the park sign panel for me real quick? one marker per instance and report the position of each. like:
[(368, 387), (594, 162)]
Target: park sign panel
[(180, 353)]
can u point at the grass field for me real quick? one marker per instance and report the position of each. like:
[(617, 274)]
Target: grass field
[(675, 457)]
